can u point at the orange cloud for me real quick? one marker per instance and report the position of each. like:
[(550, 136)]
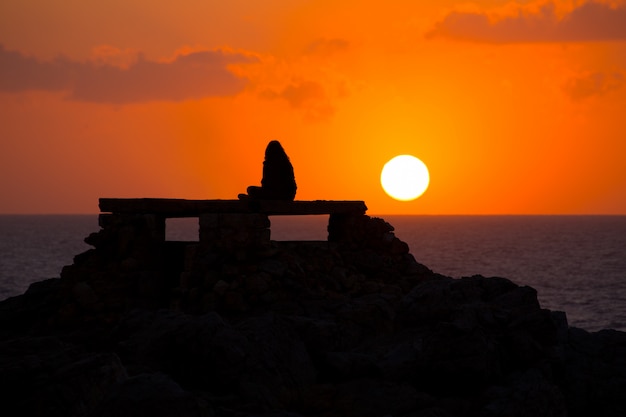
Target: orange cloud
[(110, 55), (593, 84), (307, 95), (191, 76), (21, 73), (327, 47), (588, 22)]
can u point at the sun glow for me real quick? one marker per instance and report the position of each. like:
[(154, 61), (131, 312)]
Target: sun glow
[(405, 178)]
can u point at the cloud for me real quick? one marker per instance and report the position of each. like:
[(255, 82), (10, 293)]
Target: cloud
[(307, 95), (20, 73), (593, 84), (110, 55), (190, 76), (298, 95), (326, 47), (588, 22)]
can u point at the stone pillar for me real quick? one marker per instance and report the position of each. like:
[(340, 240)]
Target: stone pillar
[(127, 268), (130, 233), (347, 228)]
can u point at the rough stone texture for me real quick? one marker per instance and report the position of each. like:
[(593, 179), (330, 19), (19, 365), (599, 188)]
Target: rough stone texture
[(229, 232), (170, 207), (353, 326)]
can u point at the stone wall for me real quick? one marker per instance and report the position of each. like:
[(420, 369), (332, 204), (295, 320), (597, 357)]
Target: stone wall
[(234, 265)]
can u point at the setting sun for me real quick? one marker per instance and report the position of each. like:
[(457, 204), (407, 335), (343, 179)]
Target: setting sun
[(405, 177)]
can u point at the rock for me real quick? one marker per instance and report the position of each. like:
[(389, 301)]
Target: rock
[(279, 367), (257, 284), (352, 326), (154, 395), (524, 395), (365, 397), (85, 295), (195, 350), (273, 267), (43, 376), (345, 366), (591, 372)]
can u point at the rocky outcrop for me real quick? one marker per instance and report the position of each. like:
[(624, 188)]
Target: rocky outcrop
[(349, 327)]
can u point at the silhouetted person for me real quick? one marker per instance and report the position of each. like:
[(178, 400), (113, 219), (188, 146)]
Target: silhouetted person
[(279, 182)]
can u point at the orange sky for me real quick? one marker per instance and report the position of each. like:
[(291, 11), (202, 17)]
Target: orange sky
[(515, 107)]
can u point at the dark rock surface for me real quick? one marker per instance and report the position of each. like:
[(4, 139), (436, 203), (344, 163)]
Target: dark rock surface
[(356, 328)]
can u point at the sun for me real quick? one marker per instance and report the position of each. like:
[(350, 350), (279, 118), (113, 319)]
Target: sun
[(404, 177)]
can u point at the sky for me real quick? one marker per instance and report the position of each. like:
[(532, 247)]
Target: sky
[(516, 107)]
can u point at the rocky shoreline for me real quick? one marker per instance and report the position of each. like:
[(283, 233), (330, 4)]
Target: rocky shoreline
[(349, 327)]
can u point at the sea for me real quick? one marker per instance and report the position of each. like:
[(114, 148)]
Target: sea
[(577, 264)]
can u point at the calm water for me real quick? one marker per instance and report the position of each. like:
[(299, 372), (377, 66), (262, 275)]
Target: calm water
[(576, 263)]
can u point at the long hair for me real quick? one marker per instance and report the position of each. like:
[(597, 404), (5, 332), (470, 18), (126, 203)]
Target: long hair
[(275, 152)]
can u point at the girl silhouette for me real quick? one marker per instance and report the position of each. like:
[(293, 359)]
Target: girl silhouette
[(278, 181)]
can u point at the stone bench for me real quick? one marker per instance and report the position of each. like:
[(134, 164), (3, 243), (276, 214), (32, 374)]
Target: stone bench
[(171, 208), (131, 250), (223, 224)]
